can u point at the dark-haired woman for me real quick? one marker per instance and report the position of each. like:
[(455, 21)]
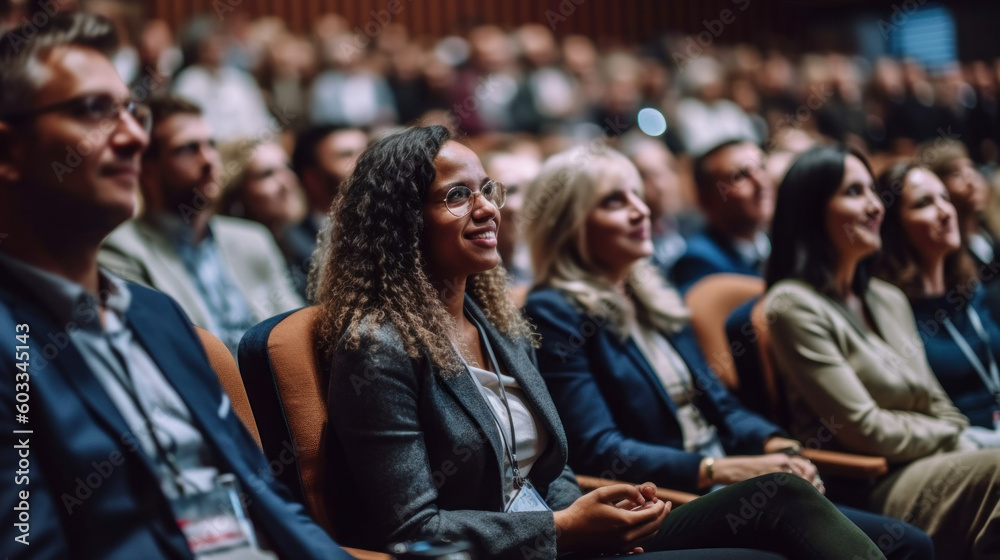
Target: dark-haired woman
[(854, 366), (441, 427), (923, 256)]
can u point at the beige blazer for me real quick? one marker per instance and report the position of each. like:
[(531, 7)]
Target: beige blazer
[(138, 252), (850, 389)]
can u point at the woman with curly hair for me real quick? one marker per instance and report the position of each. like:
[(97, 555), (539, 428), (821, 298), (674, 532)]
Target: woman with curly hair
[(440, 425)]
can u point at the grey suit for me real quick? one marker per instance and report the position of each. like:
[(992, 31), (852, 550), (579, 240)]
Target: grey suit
[(401, 431), (139, 252)]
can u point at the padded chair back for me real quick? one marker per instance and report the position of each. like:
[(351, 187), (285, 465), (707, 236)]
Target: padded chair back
[(771, 383), (711, 300), (287, 389), (229, 377)]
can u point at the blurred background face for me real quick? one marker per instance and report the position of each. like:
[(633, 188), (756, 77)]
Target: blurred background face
[(967, 187), (337, 155), (743, 193), (661, 187), (271, 192), (185, 166), (928, 218), (854, 214), (516, 171), (617, 230)]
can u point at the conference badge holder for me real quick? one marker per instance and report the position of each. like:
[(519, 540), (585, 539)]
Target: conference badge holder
[(527, 499), (215, 524)]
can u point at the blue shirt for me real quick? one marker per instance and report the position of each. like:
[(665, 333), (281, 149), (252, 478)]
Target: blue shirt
[(226, 304), (956, 374)]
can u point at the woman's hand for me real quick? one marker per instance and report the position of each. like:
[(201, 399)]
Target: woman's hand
[(611, 519), (730, 470)]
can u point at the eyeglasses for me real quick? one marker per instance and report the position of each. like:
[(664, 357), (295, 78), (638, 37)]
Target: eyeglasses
[(459, 200), (92, 109)]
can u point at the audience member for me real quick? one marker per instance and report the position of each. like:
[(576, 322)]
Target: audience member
[(414, 296), (260, 186), (516, 171), (127, 421), (737, 197), (854, 367), (686, 433), (226, 273), (922, 254), (705, 118), (323, 159), (230, 98), (969, 192), (349, 93), (670, 220)]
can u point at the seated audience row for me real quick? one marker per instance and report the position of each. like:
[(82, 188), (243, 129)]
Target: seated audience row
[(431, 365)]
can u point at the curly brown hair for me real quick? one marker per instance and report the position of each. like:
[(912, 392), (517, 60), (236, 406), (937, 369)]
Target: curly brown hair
[(372, 269)]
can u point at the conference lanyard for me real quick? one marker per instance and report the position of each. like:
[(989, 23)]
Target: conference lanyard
[(991, 379), (125, 378), (509, 446)]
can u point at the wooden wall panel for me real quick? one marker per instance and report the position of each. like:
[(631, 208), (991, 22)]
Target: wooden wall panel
[(618, 21)]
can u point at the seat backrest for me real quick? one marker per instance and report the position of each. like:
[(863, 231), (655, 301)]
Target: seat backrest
[(711, 300), (287, 389), (772, 384), (229, 377)]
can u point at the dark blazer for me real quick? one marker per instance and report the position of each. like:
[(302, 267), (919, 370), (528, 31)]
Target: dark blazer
[(420, 454), (708, 253), (93, 492), (619, 420)]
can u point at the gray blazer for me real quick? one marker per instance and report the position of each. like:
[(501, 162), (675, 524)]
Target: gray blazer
[(139, 252), (418, 456)]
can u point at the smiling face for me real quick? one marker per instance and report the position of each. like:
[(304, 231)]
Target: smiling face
[(742, 196), (456, 248), (617, 230), (271, 192), (928, 218), (854, 214), (967, 186), (95, 184)]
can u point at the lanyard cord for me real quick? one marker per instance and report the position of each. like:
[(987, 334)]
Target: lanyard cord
[(510, 447), (125, 378), (991, 380)]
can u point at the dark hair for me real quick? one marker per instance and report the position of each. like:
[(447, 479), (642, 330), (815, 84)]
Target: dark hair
[(18, 51), (305, 155), (373, 270), (897, 262), (800, 245), (162, 108), (704, 179)]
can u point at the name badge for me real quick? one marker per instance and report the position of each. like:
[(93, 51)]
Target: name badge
[(215, 524), (527, 499)]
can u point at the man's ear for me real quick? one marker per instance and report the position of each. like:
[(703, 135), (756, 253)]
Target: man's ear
[(11, 155), (149, 183)]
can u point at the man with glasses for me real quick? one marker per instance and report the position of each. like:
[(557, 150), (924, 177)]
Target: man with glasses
[(117, 440), (226, 273)]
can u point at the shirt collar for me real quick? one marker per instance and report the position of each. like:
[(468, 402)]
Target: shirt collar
[(66, 300), (177, 230)]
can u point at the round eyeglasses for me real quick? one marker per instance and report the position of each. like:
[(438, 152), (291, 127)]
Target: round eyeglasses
[(459, 200)]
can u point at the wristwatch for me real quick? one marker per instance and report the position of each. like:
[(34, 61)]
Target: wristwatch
[(710, 468)]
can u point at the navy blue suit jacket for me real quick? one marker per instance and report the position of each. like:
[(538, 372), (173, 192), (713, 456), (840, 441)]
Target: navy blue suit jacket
[(92, 490), (707, 253), (619, 420)]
